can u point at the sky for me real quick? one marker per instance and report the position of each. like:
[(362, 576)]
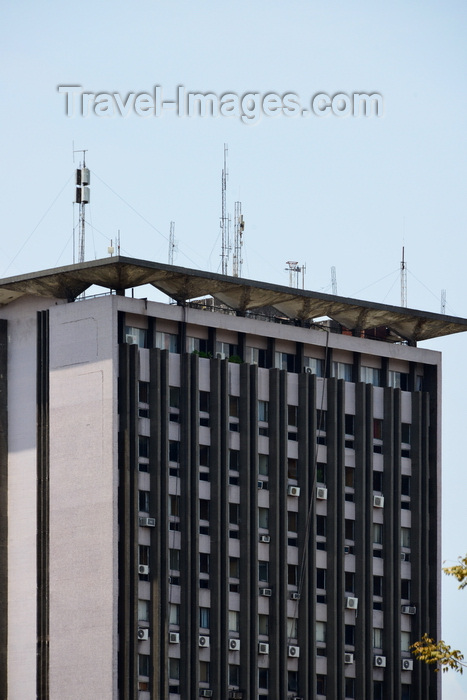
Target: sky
[(322, 189)]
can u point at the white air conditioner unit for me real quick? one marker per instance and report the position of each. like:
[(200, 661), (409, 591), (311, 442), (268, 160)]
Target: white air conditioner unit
[(143, 569), (203, 641), (147, 522), (407, 664), (234, 644), (265, 539), (235, 695), (293, 490), (322, 493), (131, 339), (294, 595), (261, 484), (308, 370), (409, 609), (380, 661), (348, 658), (405, 556), (351, 603), (293, 651), (143, 633), (263, 648), (205, 693), (378, 501), (174, 638), (220, 355), (346, 549), (267, 592)]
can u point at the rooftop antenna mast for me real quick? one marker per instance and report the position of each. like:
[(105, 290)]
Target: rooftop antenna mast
[(224, 217), (443, 301), (238, 240), (333, 280), (403, 280), (172, 246), (294, 270), (83, 178)]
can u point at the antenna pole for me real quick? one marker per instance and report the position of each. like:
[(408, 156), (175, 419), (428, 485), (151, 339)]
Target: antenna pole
[(294, 270), (239, 227), (403, 280), (224, 217), (83, 177), (443, 301), (333, 280), (172, 243)]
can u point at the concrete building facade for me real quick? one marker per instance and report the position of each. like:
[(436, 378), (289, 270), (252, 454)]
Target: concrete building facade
[(219, 499)]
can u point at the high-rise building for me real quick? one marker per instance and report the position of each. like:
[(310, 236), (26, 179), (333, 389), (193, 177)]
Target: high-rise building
[(224, 498)]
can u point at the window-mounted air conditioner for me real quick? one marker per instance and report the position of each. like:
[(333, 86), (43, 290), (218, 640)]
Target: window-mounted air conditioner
[(265, 539), (322, 493), (409, 609), (131, 339), (235, 695), (261, 484), (234, 644), (346, 549), (143, 633), (147, 522), (203, 641), (174, 638), (267, 592), (205, 693), (378, 501), (380, 661), (407, 664), (351, 603), (293, 651), (405, 556), (220, 355), (348, 658), (308, 370), (294, 595), (263, 648), (293, 490), (143, 569)]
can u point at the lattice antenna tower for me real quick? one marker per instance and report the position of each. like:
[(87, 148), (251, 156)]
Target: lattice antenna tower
[(443, 301), (172, 244), (83, 179), (294, 270), (333, 280), (403, 280), (225, 228), (239, 225)]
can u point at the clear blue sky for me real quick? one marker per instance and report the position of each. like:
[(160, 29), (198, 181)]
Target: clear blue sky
[(344, 192)]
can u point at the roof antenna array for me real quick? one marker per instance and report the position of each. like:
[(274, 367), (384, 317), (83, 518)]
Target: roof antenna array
[(225, 219), (294, 270), (403, 281), (83, 178), (239, 227)]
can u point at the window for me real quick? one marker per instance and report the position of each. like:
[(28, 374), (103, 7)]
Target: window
[(406, 589), (285, 360), (342, 370), (405, 485), (349, 424), (204, 508), (143, 392), (350, 687), (378, 690), (263, 411), (378, 481), (174, 559), (349, 635), (349, 477), (398, 380), (377, 638), (233, 513), (321, 631), (263, 465), (405, 537), (263, 624), (234, 621), (377, 533), (136, 336), (204, 617), (174, 669), (263, 678), (405, 641), (174, 451), (320, 684), (204, 671), (377, 429), (174, 397), (143, 557), (198, 345), (143, 501), (263, 571), (292, 681), (143, 664), (349, 581), (321, 473), (204, 455), (174, 613), (321, 579), (234, 675), (370, 375), (405, 433), (292, 627), (166, 341), (405, 691), (349, 529), (292, 415), (314, 365), (292, 574), (204, 401), (378, 585), (321, 420), (143, 446), (234, 567), (321, 525), (263, 518), (226, 349), (143, 610), (255, 356), (204, 561), (292, 521), (292, 468)]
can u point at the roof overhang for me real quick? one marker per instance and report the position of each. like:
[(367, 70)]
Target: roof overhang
[(242, 295)]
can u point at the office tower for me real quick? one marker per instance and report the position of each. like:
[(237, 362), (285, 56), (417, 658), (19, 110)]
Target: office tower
[(221, 496)]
